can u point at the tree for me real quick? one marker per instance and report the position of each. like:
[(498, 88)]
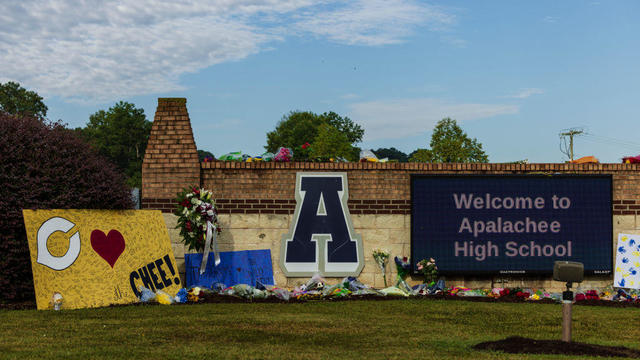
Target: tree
[(450, 144), (421, 155), (45, 166), (121, 134), (351, 130), (331, 143), (17, 100), (391, 154), (300, 127)]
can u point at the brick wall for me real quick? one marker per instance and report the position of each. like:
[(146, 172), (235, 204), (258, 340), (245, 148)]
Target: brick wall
[(256, 200), (374, 188), (171, 159)]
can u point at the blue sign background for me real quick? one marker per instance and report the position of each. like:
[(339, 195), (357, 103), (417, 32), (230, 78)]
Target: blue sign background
[(437, 223), (236, 267)]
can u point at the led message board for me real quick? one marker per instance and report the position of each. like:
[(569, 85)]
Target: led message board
[(511, 224)]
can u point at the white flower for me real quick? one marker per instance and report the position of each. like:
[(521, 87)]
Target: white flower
[(210, 212)]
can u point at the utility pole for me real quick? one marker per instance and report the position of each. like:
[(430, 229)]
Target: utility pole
[(570, 133)]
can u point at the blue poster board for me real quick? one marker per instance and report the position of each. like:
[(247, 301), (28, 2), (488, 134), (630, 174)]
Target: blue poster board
[(236, 267)]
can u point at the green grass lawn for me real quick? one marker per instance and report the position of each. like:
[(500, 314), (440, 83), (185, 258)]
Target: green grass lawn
[(403, 329)]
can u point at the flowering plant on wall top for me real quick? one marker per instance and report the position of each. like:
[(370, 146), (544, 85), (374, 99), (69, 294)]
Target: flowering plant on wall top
[(195, 208)]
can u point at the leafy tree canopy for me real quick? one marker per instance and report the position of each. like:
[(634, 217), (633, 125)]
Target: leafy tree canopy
[(297, 128), (351, 130), (331, 143), (121, 134), (450, 144), (17, 100), (392, 154), (421, 155)]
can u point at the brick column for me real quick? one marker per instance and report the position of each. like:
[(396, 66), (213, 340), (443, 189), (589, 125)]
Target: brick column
[(171, 159)]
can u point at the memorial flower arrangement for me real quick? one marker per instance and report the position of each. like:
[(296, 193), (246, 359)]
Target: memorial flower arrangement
[(381, 258), (403, 266), (429, 270), (195, 208), (283, 155)]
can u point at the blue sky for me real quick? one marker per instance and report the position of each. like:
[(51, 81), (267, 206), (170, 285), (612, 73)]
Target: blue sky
[(514, 74)]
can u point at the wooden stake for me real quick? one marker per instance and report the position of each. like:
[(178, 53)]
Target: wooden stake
[(566, 320)]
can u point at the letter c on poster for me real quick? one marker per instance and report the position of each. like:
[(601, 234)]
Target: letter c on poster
[(46, 230)]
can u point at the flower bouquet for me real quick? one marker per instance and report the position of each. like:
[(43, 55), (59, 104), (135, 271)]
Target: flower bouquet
[(283, 155), (198, 222), (403, 266), (381, 258), (429, 269)]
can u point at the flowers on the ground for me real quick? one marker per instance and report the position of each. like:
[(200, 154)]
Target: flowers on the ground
[(429, 270), (195, 207), (403, 266), (381, 258)]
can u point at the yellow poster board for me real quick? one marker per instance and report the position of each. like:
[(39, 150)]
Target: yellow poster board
[(99, 257)]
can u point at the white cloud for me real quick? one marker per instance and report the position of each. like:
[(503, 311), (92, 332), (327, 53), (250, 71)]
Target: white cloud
[(98, 51), (525, 93), (374, 22), (394, 119), (350, 96)]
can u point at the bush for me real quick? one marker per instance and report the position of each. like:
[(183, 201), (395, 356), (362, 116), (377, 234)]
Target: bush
[(45, 166)]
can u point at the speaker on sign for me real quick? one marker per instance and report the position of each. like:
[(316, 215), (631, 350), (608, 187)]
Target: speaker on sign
[(568, 271)]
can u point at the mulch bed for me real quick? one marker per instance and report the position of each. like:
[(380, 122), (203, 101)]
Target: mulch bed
[(520, 345), (219, 299)]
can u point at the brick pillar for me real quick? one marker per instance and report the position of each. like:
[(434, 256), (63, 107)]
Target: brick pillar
[(171, 159)]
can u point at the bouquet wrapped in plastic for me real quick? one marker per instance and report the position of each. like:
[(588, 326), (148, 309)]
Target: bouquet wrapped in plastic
[(429, 269), (381, 258), (403, 266), (283, 155)]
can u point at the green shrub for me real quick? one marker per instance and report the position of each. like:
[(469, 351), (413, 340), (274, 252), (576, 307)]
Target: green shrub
[(43, 165)]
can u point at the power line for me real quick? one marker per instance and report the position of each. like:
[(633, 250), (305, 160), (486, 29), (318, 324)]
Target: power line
[(612, 141)]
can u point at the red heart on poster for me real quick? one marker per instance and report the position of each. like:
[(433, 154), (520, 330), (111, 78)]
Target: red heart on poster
[(109, 246)]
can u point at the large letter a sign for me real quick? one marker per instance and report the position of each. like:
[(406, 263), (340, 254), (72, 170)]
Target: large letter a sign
[(321, 238)]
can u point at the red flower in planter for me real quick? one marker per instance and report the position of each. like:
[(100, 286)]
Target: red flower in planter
[(580, 297)]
